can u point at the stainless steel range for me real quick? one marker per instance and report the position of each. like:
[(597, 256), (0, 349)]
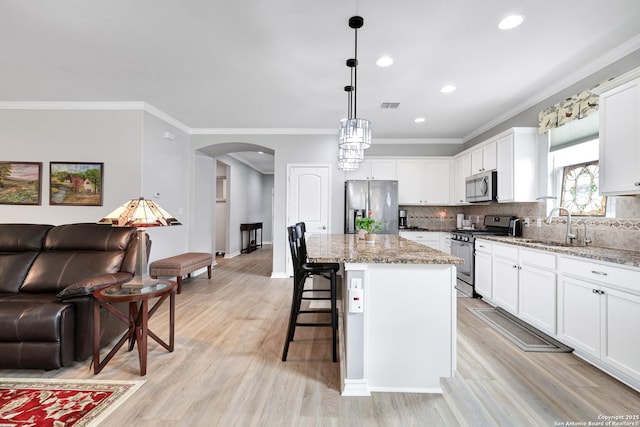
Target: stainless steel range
[(462, 246)]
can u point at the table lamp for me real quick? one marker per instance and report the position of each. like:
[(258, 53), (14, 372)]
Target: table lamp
[(140, 213)]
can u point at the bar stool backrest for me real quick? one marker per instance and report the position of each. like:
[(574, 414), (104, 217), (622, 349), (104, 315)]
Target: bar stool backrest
[(298, 252)]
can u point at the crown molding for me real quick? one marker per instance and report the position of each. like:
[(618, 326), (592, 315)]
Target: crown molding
[(70, 105), (262, 131), (92, 106), (605, 60), (417, 141), (166, 118)]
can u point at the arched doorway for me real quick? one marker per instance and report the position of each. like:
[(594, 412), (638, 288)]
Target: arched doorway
[(241, 190)]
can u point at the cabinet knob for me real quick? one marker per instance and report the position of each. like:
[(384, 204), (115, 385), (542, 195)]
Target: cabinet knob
[(637, 183), (514, 266)]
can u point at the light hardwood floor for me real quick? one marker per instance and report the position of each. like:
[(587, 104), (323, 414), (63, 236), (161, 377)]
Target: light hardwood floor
[(226, 370)]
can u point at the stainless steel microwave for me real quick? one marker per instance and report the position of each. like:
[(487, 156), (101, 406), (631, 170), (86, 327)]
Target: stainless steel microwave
[(482, 187)]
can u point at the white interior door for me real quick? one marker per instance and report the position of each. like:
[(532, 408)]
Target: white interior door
[(308, 200)]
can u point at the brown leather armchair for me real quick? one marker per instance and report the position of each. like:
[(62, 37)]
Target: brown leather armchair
[(47, 276)]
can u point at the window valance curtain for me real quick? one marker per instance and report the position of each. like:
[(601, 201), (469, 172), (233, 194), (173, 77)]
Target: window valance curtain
[(575, 107)]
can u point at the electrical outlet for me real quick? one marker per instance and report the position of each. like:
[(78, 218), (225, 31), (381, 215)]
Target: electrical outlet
[(539, 222), (527, 222), (356, 283)]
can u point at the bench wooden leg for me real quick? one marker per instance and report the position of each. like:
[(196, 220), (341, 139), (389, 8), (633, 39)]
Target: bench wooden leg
[(209, 271), (179, 282)]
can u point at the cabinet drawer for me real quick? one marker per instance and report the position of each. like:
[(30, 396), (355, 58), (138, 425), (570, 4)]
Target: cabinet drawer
[(483, 246), (601, 272), (538, 259), (505, 251)]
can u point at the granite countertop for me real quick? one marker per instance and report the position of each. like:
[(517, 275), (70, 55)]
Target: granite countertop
[(387, 249), (616, 256)]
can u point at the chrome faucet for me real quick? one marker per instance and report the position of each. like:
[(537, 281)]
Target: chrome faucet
[(570, 235), (586, 240)]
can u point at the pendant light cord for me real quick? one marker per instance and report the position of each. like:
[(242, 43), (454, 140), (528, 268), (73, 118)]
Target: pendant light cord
[(355, 73)]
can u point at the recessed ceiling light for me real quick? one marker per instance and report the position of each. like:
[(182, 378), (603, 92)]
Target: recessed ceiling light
[(384, 61), (448, 89), (419, 120), (260, 152), (511, 22)]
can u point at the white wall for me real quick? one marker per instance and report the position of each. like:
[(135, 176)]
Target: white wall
[(137, 162), (204, 187), (289, 149), (110, 137), (267, 208), (166, 172), (244, 199)]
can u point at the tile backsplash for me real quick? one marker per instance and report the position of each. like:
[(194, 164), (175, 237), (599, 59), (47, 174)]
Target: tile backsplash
[(621, 232)]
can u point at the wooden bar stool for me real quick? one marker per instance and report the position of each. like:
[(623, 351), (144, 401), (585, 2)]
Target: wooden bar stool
[(301, 271)]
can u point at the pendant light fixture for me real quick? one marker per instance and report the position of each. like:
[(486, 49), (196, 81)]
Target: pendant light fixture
[(349, 158), (354, 132)]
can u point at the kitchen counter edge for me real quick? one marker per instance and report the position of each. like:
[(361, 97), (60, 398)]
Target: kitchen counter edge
[(616, 256)]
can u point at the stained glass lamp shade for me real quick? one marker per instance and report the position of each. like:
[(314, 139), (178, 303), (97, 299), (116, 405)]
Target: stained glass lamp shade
[(140, 213)]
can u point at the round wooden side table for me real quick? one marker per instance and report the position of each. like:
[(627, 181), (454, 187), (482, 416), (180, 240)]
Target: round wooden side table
[(137, 322)]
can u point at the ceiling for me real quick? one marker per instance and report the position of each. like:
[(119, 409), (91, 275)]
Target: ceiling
[(261, 65)]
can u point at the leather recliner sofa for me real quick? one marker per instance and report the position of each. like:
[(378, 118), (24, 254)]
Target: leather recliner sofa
[(47, 277)]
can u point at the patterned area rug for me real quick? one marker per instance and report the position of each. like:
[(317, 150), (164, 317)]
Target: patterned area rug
[(41, 403), (520, 333)]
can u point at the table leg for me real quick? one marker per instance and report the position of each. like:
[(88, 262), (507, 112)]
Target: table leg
[(96, 336), (141, 336), (133, 319), (97, 364)]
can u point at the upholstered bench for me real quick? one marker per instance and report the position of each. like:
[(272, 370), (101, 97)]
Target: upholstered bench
[(180, 265)]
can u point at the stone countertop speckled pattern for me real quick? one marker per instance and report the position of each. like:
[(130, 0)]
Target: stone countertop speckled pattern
[(387, 249), (616, 256)]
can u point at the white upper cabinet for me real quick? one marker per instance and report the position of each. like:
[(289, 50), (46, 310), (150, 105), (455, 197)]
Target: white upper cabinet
[(423, 181), (620, 138), (484, 158), (380, 169), (461, 170), (516, 165), (410, 175)]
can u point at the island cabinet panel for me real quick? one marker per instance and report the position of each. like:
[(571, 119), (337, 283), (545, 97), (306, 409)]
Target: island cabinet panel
[(401, 337), (395, 347)]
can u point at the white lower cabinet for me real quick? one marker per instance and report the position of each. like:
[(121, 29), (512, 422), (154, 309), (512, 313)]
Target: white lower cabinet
[(505, 277), (592, 306), (483, 269), (620, 346), (579, 315), (427, 238), (537, 289), (599, 313)]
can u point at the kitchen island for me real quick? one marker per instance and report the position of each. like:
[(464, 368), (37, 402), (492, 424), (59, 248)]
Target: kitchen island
[(403, 336)]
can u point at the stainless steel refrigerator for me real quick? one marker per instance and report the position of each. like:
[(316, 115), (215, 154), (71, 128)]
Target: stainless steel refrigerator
[(374, 199)]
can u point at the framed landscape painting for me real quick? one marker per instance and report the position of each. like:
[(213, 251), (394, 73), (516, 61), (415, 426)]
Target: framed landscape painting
[(75, 184), (20, 183)]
